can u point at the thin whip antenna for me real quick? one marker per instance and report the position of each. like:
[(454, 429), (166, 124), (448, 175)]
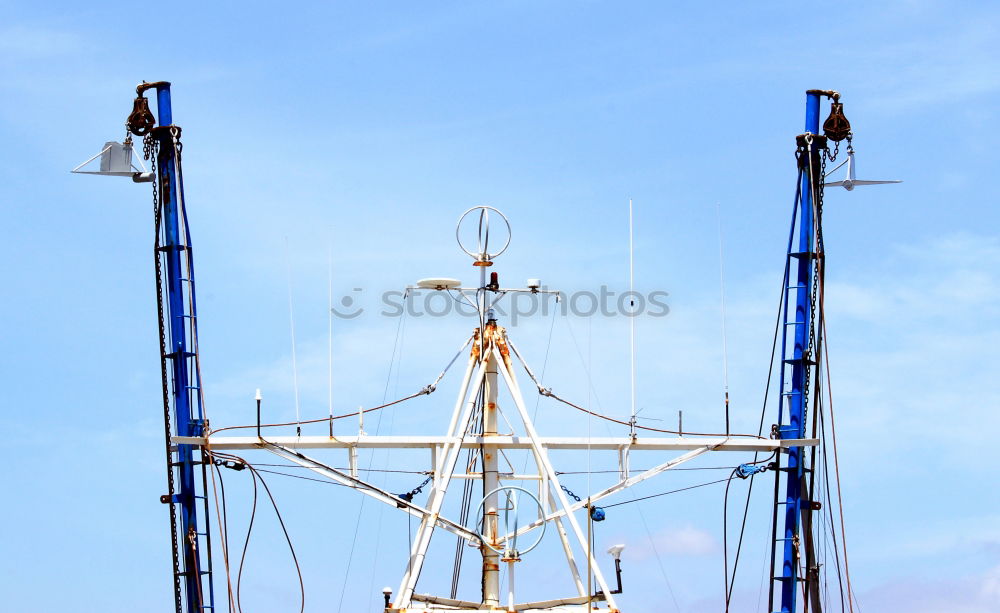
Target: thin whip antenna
[(631, 320), (291, 321), (722, 294), (329, 347)]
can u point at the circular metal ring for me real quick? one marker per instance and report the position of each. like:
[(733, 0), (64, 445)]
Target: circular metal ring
[(507, 537), (484, 233)]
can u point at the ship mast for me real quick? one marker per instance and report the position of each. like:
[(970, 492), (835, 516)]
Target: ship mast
[(182, 388), (491, 477), (800, 356)]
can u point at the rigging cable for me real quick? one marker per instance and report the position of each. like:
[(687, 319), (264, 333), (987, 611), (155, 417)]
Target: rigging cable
[(741, 472), (246, 544), (429, 389), (343, 469), (281, 521), (422, 392), (683, 489), (551, 394), (388, 452), (836, 468), (237, 462), (829, 507), (223, 519), (656, 552), (767, 391), (371, 460), (304, 478), (725, 539)]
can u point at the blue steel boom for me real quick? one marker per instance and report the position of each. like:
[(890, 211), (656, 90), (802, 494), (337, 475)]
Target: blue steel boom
[(800, 352), (178, 317)]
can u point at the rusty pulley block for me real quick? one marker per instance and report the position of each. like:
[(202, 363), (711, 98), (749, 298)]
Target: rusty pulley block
[(836, 127), (140, 121)]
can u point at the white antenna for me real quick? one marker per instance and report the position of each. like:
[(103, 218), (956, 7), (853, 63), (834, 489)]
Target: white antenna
[(722, 293), (291, 320), (631, 320), (329, 314)]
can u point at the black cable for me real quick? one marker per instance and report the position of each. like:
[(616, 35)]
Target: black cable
[(275, 472), (725, 538), (683, 489), (638, 470), (225, 531), (246, 543), (362, 470), (255, 473), (760, 430), (829, 508), (291, 548)]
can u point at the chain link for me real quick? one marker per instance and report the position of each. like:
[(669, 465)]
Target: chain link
[(571, 494), (817, 202), (408, 496), (150, 149)]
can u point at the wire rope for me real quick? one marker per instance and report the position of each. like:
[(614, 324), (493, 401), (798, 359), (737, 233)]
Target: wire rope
[(371, 459)]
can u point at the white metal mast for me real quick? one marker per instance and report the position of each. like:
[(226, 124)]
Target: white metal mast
[(491, 477)]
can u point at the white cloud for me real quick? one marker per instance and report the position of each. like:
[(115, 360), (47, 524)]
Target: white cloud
[(976, 593), (686, 540)]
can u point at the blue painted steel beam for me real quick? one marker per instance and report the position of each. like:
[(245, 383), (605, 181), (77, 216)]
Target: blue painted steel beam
[(178, 355), (795, 428)]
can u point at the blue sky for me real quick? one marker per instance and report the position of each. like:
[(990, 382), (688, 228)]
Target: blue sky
[(365, 130)]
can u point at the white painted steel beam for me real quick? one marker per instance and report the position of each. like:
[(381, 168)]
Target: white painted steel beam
[(649, 443), (545, 467), (370, 490)]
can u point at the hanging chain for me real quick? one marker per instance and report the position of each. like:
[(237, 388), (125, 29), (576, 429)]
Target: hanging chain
[(571, 494), (150, 149), (408, 496), (832, 157), (816, 186)]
